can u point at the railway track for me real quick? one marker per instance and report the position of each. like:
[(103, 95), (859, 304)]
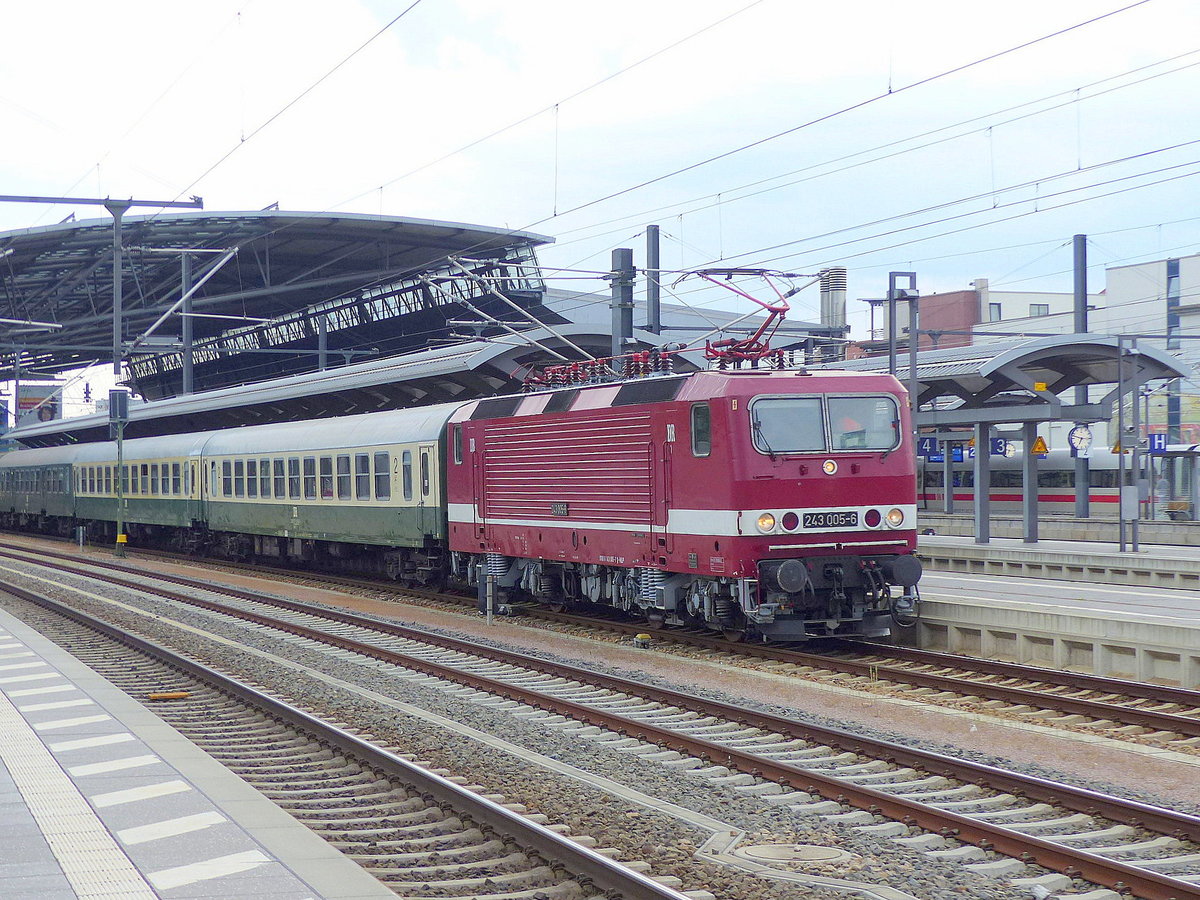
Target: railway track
[(1151, 714), (1149, 851), (423, 833)]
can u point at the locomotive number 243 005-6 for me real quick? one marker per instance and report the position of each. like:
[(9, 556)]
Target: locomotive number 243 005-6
[(838, 519)]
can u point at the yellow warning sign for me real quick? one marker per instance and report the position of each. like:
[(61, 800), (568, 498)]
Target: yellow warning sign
[(1118, 449), (971, 442), (1039, 446)]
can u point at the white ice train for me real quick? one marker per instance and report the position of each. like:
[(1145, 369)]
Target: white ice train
[(1171, 493)]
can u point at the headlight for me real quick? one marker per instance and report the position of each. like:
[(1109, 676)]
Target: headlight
[(895, 517), (766, 522), (829, 467)]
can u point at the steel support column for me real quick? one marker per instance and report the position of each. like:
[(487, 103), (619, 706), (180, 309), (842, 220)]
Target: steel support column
[(1029, 483), (983, 482)]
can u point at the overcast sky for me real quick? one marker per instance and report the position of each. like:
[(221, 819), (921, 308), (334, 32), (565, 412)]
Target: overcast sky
[(876, 135)]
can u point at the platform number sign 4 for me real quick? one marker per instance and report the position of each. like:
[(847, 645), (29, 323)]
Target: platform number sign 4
[(927, 446)]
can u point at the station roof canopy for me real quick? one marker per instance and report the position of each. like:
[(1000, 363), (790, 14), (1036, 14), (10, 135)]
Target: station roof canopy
[(287, 264), (1015, 381), (461, 372)]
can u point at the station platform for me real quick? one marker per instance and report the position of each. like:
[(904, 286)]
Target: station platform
[(1152, 565), (102, 799), (1097, 529), (1072, 605)]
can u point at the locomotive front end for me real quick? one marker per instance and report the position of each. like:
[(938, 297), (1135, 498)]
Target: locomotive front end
[(829, 517)]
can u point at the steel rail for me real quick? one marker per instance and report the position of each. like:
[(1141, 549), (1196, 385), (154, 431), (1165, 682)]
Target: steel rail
[(1095, 868), (1079, 680), (1185, 725), (604, 873)]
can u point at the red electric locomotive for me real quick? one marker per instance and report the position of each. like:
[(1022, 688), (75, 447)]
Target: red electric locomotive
[(768, 503)]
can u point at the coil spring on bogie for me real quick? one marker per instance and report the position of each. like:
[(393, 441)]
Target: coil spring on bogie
[(496, 565), (723, 608), (649, 583)]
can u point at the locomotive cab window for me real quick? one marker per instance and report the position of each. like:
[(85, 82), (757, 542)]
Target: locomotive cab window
[(701, 430), (864, 423), (787, 425), (457, 441)]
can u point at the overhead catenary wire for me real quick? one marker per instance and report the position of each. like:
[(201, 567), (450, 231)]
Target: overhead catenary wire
[(731, 194), (844, 111)]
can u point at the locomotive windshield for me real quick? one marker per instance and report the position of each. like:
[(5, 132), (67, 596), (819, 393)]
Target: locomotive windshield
[(797, 424), (863, 423), (787, 424)]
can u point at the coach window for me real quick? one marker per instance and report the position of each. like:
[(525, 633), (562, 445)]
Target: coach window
[(326, 477), (239, 478), (124, 479), (701, 430), (145, 479), (165, 488), (108, 479), (457, 444), (227, 478), (310, 478), (293, 478), (383, 476), (154, 478), (406, 473), (176, 481), (264, 478), (343, 477), (424, 473), (280, 479), (362, 476), (252, 478)]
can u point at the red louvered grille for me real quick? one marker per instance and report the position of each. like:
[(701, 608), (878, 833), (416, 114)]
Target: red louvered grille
[(599, 468)]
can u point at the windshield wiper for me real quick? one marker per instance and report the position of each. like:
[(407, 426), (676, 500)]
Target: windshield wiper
[(756, 426)]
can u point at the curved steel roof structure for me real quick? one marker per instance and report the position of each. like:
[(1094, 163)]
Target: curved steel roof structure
[(464, 371), (997, 382), (352, 266)]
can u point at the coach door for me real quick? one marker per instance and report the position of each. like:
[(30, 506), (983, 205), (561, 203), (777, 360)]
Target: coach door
[(425, 489)]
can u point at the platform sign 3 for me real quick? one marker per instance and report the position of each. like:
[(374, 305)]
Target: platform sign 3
[(998, 446)]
